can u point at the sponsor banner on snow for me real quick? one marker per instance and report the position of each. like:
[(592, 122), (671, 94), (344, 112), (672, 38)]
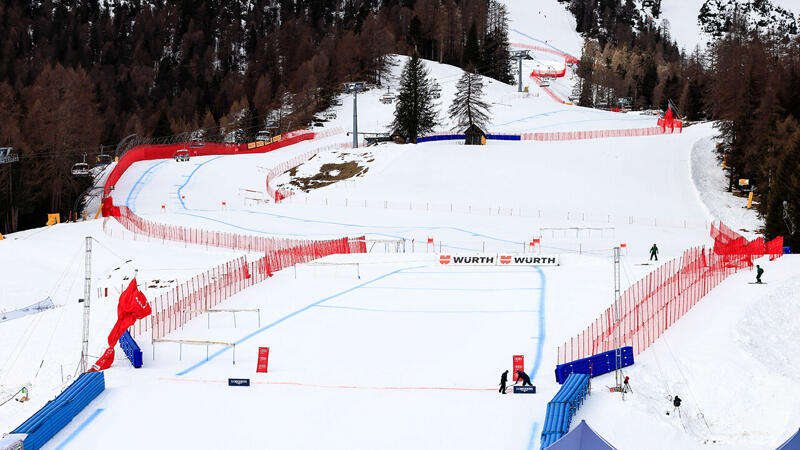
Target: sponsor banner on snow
[(238, 381), (498, 260), (524, 389)]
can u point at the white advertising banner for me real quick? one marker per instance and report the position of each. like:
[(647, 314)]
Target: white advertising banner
[(494, 259)]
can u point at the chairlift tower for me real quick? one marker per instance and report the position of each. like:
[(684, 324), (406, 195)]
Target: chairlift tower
[(354, 87), (87, 295), (520, 55), (617, 350)]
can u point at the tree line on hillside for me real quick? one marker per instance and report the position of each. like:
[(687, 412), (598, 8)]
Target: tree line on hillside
[(75, 75), (748, 80)]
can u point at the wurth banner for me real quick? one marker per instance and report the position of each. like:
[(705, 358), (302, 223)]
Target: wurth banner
[(498, 260), (132, 306)]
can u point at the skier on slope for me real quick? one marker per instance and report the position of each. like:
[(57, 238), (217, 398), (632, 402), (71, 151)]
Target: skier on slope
[(503, 381), (654, 252), (759, 272), (526, 381)]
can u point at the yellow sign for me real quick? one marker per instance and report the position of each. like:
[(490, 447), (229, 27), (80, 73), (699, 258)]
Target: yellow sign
[(1, 236), (483, 140), (53, 219), (744, 182)]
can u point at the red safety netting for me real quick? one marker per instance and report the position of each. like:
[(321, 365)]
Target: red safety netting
[(549, 73), (591, 134), (174, 308), (166, 151), (567, 57), (654, 303), (669, 122)]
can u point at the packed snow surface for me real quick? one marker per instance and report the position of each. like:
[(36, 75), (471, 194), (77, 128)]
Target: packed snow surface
[(391, 349)]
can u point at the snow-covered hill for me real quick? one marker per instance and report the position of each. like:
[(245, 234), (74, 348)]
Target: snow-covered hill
[(399, 351)]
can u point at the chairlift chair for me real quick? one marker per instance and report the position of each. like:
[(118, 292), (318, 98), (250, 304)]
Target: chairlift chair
[(181, 155), (103, 159), (7, 155), (80, 169), (545, 82), (262, 135), (330, 115)]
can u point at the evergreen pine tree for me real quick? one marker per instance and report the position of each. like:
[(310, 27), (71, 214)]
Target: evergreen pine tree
[(468, 107), (472, 49), (414, 115), (496, 58)]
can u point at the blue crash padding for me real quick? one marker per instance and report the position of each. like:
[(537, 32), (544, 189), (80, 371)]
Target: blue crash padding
[(131, 349), (563, 406), (594, 365), (57, 413)]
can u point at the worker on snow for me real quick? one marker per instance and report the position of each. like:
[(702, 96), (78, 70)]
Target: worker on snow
[(759, 272), (676, 403), (654, 252), (503, 381), (526, 381)]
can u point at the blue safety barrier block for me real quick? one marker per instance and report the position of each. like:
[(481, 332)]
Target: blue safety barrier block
[(131, 349), (594, 365), (504, 137), (787, 251), (562, 408), (57, 413), (442, 137)]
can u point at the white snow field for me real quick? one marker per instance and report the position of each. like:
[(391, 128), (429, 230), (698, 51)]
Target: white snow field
[(400, 351)]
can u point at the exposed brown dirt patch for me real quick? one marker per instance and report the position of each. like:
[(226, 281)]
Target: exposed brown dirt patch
[(329, 173)]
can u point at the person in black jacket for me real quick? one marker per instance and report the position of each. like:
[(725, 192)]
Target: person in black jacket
[(654, 252), (676, 403), (503, 381), (526, 381)]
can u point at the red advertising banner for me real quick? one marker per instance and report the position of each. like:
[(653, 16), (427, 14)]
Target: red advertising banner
[(519, 364), (263, 359)]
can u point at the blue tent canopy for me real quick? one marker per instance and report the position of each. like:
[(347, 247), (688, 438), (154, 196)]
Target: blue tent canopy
[(581, 437), (792, 444)]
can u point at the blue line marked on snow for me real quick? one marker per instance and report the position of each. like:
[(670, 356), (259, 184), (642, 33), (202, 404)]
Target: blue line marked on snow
[(289, 316), (190, 177), (80, 428), (543, 284), (440, 311), (532, 441), (131, 195)]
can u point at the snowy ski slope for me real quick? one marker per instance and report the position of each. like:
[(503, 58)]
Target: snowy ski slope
[(409, 354)]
